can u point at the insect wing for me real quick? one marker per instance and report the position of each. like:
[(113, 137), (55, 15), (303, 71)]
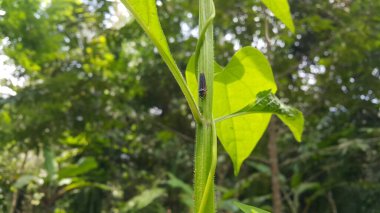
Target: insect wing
[(202, 86)]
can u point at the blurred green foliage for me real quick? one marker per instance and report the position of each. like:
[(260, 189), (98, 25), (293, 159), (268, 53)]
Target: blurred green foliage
[(100, 125)]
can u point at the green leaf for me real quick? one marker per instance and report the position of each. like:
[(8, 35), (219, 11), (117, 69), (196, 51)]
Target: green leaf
[(247, 74), (4, 117), (177, 183), (236, 86), (79, 183), (144, 199), (281, 10), (186, 196), (266, 102), (84, 165), (145, 13), (249, 209), (303, 187), (243, 103), (24, 180)]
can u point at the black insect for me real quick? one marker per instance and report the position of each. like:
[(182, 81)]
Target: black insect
[(202, 86)]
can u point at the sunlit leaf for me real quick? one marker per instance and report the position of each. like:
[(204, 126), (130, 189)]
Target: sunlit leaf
[(267, 102), (145, 13), (236, 86), (4, 117), (249, 209), (82, 184), (281, 10), (247, 74)]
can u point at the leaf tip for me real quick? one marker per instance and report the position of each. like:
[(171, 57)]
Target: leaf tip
[(302, 125), (237, 166), (292, 28)]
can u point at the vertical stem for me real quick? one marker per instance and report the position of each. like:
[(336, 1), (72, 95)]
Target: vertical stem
[(273, 160), (205, 137), (272, 146), (332, 203)]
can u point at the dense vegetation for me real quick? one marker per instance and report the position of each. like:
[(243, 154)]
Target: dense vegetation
[(100, 126)]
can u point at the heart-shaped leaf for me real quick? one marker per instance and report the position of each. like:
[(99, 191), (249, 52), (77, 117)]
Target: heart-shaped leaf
[(236, 86), (247, 74), (249, 209), (281, 10), (267, 102)]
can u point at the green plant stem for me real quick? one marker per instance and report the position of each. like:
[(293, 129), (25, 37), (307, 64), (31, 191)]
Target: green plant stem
[(201, 39), (205, 131), (210, 177)]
